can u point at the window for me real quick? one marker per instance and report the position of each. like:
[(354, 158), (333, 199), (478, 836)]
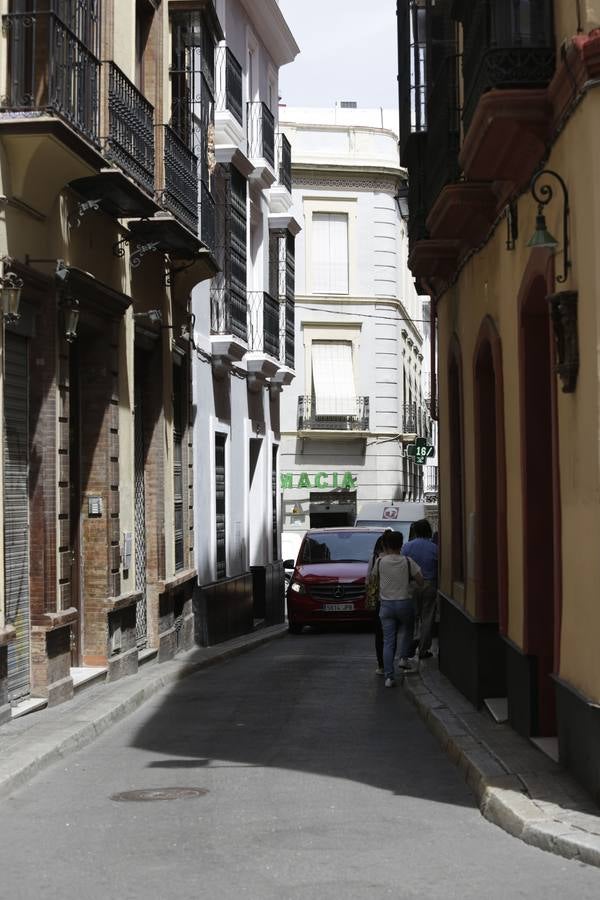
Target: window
[(333, 378), (330, 253)]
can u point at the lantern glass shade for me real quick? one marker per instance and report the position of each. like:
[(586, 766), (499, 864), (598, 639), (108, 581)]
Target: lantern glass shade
[(71, 314), (541, 236), (10, 290)]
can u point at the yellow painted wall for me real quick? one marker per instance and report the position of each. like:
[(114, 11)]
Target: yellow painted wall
[(489, 285)]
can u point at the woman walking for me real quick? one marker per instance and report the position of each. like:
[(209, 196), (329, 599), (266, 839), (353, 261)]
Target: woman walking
[(377, 551), (397, 610)]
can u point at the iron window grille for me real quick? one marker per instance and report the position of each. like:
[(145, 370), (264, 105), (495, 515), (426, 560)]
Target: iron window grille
[(228, 288)]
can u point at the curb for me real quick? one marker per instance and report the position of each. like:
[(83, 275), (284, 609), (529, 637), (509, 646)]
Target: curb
[(52, 742), (502, 795)]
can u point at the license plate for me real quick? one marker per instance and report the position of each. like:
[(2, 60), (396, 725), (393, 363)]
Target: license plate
[(338, 607)]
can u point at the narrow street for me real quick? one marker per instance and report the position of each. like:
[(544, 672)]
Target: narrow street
[(319, 784)]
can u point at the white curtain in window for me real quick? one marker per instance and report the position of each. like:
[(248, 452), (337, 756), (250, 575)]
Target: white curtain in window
[(333, 378), (330, 253)]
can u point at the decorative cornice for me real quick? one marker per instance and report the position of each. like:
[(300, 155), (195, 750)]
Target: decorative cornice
[(273, 30), (346, 182)]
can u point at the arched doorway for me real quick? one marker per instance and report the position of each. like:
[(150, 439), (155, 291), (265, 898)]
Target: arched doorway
[(455, 433), (490, 479), (540, 515)]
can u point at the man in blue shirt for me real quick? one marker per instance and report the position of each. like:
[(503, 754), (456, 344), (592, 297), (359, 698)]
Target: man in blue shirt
[(425, 553)]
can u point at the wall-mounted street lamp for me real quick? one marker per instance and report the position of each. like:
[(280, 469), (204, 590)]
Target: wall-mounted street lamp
[(71, 319), (10, 293), (563, 304), (153, 315), (543, 194)]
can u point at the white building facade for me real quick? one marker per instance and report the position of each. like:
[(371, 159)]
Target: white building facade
[(358, 399), (244, 330)]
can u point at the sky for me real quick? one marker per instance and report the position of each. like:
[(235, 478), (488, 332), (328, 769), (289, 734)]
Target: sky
[(348, 51)]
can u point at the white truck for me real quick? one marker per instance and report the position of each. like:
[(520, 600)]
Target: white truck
[(396, 515)]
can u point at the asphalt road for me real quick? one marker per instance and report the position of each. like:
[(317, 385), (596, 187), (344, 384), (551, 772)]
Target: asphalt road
[(315, 781)]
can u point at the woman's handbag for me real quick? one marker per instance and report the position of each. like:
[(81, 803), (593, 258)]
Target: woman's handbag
[(372, 595)]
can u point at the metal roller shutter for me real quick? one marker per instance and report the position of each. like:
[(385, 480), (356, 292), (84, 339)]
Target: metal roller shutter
[(16, 514), (220, 505)]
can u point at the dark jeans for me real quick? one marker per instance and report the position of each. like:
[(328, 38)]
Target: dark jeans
[(426, 604)]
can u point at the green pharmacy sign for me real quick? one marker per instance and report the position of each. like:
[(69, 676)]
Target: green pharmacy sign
[(320, 481), (420, 451)]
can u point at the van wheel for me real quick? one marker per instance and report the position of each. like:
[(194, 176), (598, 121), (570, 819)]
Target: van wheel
[(293, 628)]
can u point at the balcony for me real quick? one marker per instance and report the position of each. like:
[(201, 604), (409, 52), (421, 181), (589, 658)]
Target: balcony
[(506, 45), (284, 162), (263, 322), (289, 334), (443, 136), (178, 184), (51, 70), (260, 125), (207, 218), (228, 84), (415, 420), (228, 328), (430, 483), (130, 133), (228, 313), (262, 359), (353, 416)]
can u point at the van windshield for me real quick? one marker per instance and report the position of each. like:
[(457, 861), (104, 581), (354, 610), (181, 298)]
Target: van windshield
[(402, 527), (338, 546)]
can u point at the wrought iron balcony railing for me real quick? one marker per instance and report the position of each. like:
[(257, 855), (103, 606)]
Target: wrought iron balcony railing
[(51, 69), (229, 313), (430, 481), (178, 184), (443, 136), (506, 45), (207, 218), (261, 132), (263, 323), (130, 127), (284, 161), (339, 415), (228, 84), (416, 155), (415, 420)]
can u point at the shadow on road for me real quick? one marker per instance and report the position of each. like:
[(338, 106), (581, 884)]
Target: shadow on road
[(310, 704)]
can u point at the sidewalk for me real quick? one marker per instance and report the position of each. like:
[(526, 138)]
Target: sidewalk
[(33, 742), (518, 787)]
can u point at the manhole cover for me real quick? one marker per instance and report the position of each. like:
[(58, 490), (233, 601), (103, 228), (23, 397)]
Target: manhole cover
[(147, 794)]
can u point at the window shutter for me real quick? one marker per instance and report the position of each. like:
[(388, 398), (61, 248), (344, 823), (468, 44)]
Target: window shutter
[(333, 378)]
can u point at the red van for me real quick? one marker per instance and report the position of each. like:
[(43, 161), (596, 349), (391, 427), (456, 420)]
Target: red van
[(328, 583)]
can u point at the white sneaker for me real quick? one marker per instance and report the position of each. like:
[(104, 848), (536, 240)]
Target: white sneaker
[(407, 665), (389, 682), (379, 671)]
